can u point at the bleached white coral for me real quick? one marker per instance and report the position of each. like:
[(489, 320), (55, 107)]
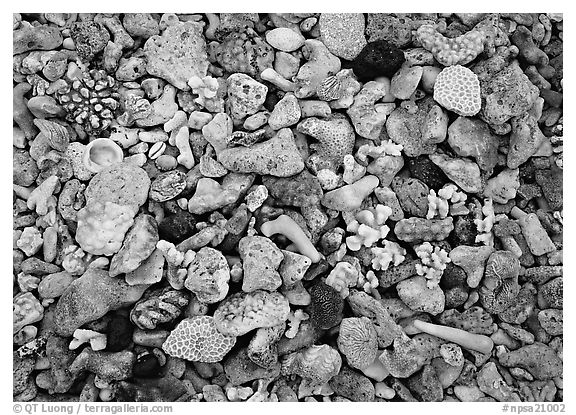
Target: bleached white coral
[(343, 276), (353, 171), (206, 88), (294, 320), (390, 253), (438, 205), (171, 254), (485, 225), (369, 227), (368, 282), (328, 179), (386, 147), (433, 263)]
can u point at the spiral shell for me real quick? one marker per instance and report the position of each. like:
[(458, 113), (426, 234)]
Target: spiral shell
[(358, 341), (318, 364), (329, 89)]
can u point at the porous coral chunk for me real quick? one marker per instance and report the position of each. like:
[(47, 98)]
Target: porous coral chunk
[(457, 89), (102, 226), (261, 259), (243, 312), (335, 138), (455, 51), (197, 339)]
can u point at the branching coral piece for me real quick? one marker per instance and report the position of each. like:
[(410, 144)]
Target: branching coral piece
[(369, 283), (294, 320), (438, 205), (343, 276), (391, 253), (102, 227), (369, 227), (243, 312), (457, 89), (197, 339), (485, 225), (434, 260), (358, 342), (319, 364), (207, 89), (286, 226), (386, 147), (477, 342), (460, 50), (97, 340)]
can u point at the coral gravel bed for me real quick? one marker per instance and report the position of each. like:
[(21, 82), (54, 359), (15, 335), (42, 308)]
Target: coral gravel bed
[(287, 207)]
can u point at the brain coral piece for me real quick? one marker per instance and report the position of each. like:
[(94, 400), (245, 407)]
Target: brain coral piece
[(500, 287), (391, 253), (102, 227), (243, 312), (327, 306), (369, 227), (417, 229), (357, 340), (318, 364), (197, 339), (434, 260), (158, 307), (343, 276), (208, 276), (90, 100), (26, 309), (335, 137), (460, 50), (457, 89), (245, 52)]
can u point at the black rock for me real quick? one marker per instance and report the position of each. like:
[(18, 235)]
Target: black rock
[(119, 334), (378, 58), (176, 228), (146, 366), (464, 232), (424, 170), (327, 306)]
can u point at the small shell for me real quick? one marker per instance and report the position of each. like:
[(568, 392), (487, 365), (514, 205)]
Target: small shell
[(329, 89), (57, 135), (156, 150), (167, 185)]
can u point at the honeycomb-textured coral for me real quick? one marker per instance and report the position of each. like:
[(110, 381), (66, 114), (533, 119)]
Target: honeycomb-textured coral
[(456, 51), (358, 341), (90, 100), (318, 364), (243, 312), (457, 89), (500, 286), (327, 306), (197, 339), (335, 137), (330, 89), (369, 227), (102, 227), (245, 52), (158, 307), (417, 229)]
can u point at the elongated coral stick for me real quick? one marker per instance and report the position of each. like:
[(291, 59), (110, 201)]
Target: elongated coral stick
[(286, 226), (477, 342)]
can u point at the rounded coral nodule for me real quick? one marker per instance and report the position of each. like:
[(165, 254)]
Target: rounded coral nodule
[(358, 341)]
